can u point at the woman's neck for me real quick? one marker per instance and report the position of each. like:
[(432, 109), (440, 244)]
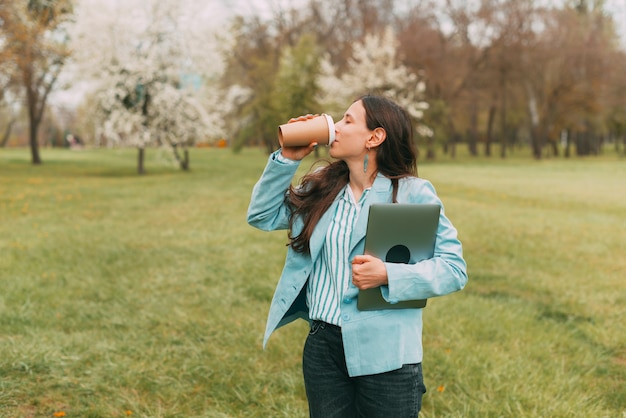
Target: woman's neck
[(361, 181)]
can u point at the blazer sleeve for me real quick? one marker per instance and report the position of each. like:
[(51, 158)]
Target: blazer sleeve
[(444, 273), (267, 210)]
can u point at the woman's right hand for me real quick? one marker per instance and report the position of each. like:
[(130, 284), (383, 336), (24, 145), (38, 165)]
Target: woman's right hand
[(299, 152)]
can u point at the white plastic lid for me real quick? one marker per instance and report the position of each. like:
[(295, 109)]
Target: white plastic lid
[(331, 128)]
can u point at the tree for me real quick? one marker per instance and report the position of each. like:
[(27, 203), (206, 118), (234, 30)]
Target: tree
[(295, 86), (615, 117), (565, 91), (140, 108), (447, 44), (252, 62), (375, 68), (34, 42), (272, 68), (509, 24), (149, 86), (296, 82), (358, 18)]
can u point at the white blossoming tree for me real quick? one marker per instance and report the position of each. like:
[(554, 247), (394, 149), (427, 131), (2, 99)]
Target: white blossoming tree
[(374, 68), (150, 72)]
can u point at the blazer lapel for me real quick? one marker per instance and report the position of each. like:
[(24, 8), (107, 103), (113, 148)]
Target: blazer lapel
[(380, 193)]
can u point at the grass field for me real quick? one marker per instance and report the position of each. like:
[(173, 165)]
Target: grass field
[(125, 295)]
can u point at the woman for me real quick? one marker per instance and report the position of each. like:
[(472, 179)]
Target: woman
[(355, 363)]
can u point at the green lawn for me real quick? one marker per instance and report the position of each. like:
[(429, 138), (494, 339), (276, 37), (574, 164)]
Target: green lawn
[(125, 295)]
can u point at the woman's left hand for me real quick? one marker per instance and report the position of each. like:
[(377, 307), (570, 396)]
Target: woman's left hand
[(368, 272)]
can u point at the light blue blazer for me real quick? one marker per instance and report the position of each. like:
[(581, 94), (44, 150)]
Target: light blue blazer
[(374, 341)]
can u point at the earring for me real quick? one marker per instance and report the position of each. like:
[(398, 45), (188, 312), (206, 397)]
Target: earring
[(367, 159)]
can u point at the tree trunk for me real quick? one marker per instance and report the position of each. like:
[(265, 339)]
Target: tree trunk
[(536, 142), (504, 139), (472, 137), (430, 148), (452, 146), (555, 147), (490, 121), (35, 115), (34, 144), (183, 162), (453, 137), (7, 134), (185, 165), (140, 160), (535, 129), (269, 146)]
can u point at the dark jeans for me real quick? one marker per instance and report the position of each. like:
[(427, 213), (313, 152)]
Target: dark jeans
[(334, 394)]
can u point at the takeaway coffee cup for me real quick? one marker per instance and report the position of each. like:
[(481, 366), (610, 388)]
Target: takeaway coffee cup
[(320, 129)]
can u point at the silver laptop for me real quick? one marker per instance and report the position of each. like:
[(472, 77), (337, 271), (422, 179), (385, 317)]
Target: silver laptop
[(399, 233)]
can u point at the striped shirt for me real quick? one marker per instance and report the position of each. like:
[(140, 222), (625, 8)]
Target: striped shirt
[(332, 271)]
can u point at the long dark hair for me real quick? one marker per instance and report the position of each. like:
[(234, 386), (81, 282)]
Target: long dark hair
[(395, 157)]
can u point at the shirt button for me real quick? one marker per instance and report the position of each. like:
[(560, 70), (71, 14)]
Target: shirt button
[(347, 300), (345, 317)]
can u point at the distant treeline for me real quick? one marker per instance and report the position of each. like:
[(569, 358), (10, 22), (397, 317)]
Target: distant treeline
[(507, 72)]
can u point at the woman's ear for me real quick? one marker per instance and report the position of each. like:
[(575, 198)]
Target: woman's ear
[(378, 137)]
